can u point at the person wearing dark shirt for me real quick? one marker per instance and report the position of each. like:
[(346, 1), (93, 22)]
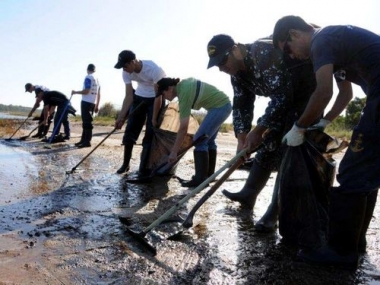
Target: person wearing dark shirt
[(258, 69), (57, 99), (352, 54)]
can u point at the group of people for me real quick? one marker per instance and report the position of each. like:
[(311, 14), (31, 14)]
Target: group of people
[(53, 100), (295, 68)]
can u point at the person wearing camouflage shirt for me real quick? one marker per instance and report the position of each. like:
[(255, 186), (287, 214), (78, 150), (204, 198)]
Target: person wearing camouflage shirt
[(258, 69)]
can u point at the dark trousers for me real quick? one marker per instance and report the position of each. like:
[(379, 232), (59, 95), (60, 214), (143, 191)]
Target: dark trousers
[(87, 112), (143, 115)]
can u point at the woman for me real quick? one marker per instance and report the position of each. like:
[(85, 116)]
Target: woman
[(194, 94)]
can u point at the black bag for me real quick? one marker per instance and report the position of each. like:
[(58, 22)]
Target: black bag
[(305, 177)]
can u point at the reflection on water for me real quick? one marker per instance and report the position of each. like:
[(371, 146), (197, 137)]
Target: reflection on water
[(15, 165)]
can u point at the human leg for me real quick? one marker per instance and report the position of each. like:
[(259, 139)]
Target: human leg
[(256, 181), (87, 110)]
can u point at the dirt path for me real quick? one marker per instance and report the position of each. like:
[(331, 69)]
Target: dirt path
[(64, 229)]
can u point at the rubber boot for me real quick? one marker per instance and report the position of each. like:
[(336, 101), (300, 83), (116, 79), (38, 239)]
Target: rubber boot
[(256, 181), (212, 154), (128, 147), (144, 171), (40, 132), (268, 221), (87, 135), (371, 203), (81, 139), (346, 216), (201, 169)]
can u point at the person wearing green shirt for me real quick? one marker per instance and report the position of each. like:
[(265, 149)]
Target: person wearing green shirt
[(195, 94)]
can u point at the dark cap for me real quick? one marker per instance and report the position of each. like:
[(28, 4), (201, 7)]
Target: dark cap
[(217, 48), (91, 67), (28, 86), (124, 57)]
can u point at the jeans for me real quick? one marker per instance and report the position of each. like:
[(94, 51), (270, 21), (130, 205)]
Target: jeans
[(87, 112), (61, 117), (210, 126), (136, 120)]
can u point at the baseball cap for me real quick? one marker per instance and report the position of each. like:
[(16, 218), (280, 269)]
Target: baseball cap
[(124, 57), (217, 48), (91, 67), (27, 86)]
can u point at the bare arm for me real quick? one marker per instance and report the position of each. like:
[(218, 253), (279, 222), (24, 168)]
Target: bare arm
[(36, 104), (82, 92), (343, 98), (183, 126), (320, 97), (127, 102), (97, 102), (156, 109)]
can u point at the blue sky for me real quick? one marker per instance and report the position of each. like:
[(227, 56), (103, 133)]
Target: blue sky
[(51, 42)]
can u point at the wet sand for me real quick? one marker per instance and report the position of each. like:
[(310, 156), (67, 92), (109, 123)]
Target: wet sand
[(59, 228)]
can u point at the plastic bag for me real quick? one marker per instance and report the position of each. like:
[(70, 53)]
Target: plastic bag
[(305, 177)]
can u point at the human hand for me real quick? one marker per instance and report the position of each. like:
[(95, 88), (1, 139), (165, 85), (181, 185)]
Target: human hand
[(73, 92), (295, 136), (119, 124), (321, 125)]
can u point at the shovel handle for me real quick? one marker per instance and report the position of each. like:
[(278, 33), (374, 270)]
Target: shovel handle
[(188, 223)]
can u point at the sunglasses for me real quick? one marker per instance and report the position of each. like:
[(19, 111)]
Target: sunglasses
[(286, 48), (225, 58)]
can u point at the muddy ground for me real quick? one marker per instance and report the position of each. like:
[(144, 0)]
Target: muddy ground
[(59, 228)]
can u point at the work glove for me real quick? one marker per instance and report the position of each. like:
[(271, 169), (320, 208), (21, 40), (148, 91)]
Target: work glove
[(321, 125), (295, 136)]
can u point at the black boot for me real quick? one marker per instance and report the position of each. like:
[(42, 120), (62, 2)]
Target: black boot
[(212, 154), (144, 171), (371, 203), (128, 147), (268, 221), (87, 135), (256, 181), (346, 220), (201, 169), (40, 132), (81, 139)]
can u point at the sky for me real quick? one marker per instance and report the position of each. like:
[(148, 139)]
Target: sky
[(51, 42)]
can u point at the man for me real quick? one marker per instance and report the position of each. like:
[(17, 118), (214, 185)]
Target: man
[(139, 104), (89, 105), (355, 53), (39, 91), (53, 99), (259, 69)]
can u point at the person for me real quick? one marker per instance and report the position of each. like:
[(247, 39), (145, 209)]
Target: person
[(139, 104), (195, 94), (354, 52), (56, 99), (39, 91), (257, 69), (89, 105)]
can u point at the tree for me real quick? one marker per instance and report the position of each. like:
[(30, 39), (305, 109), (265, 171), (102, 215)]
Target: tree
[(353, 112), (107, 110)]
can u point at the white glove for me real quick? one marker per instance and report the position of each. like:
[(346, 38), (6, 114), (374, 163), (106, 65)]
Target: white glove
[(295, 136), (321, 125)]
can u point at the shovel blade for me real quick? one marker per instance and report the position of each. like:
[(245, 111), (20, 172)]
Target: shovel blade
[(140, 237)]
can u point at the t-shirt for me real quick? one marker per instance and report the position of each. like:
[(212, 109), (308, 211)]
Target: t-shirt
[(349, 48), (91, 82), (55, 98), (149, 75), (209, 96), (39, 88)]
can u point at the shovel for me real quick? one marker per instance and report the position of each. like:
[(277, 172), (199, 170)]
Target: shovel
[(188, 222), (106, 137), (167, 165), (25, 137), (8, 139), (140, 236)]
